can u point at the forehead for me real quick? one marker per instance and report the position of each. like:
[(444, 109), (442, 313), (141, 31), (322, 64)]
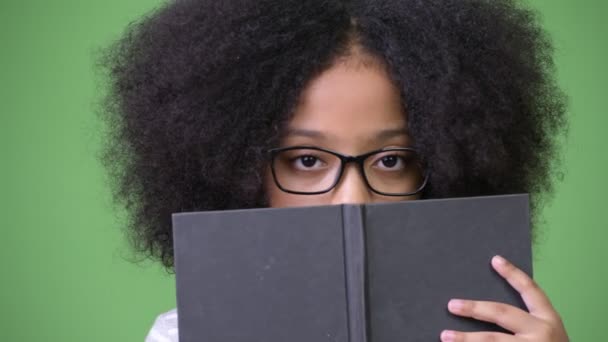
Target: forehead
[(350, 103)]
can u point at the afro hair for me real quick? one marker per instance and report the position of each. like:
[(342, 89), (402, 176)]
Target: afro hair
[(199, 90)]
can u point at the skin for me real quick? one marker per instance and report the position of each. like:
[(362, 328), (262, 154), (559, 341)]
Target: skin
[(353, 108)]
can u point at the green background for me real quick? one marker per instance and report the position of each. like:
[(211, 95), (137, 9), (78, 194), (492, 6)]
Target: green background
[(66, 274)]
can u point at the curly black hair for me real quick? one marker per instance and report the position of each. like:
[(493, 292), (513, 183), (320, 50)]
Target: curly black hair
[(199, 90)]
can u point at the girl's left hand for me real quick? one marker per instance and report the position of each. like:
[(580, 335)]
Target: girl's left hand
[(541, 324)]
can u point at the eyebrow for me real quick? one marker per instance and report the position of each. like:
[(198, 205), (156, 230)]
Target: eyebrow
[(384, 134)]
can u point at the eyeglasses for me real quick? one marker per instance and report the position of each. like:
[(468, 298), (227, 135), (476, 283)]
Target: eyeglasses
[(312, 170)]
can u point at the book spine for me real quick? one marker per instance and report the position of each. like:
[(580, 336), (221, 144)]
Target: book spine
[(354, 266)]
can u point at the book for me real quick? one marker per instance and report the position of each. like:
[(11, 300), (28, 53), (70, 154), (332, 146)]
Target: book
[(345, 273)]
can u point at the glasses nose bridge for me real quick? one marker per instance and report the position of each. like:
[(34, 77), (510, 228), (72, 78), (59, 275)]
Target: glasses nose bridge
[(357, 160), (351, 188), (352, 159)]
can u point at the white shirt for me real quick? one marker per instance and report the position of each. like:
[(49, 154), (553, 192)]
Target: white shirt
[(164, 328)]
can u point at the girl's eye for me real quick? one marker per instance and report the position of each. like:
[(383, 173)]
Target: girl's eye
[(307, 162), (390, 162)]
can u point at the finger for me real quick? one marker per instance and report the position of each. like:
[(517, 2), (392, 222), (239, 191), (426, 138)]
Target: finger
[(484, 336), (507, 316), (535, 299)]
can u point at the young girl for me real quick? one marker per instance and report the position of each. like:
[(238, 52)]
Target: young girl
[(239, 104)]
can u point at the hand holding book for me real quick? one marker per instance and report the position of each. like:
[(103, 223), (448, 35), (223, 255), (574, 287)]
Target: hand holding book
[(541, 324)]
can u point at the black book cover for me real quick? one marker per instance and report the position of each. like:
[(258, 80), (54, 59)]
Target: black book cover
[(347, 273)]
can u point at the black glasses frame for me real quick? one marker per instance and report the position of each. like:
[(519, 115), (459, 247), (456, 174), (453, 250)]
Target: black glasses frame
[(345, 159)]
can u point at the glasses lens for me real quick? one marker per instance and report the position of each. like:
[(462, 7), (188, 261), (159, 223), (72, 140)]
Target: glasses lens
[(394, 172), (305, 170)]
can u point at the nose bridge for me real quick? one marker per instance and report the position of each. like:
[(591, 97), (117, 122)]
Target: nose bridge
[(351, 187)]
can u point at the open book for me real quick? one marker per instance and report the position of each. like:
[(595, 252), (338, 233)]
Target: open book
[(345, 273)]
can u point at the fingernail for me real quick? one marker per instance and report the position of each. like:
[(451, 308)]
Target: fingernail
[(455, 304), (448, 336), (500, 260)]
